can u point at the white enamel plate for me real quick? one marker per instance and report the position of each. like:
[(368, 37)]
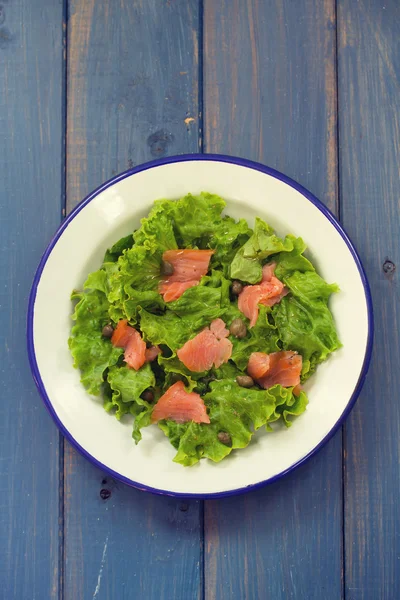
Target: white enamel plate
[(114, 210)]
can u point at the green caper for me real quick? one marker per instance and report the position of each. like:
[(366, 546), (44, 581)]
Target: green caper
[(244, 381), (107, 331), (225, 438), (148, 396), (167, 268), (238, 328), (237, 287)]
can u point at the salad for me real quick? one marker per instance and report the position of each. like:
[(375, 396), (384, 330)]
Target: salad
[(202, 326)]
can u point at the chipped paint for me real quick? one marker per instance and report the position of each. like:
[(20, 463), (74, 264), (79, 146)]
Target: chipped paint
[(100, 575)]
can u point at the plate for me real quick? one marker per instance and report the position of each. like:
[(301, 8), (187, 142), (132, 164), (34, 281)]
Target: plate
[(114, 210)]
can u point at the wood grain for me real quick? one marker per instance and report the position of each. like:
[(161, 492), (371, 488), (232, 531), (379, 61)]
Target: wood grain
[(132, 87), (132, 96), (369, 101), (270, 95), (30, 209)]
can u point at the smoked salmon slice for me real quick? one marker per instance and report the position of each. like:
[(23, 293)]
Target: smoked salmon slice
[(208, 348), (122, 334), (152, 353), (270, 291), (297, 389), (278, 367), (180, 406), (136, 353), (218, 328), (172, 290), (188, 266)]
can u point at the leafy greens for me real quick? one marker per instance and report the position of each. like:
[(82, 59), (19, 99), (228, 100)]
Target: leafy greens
[(126, 288)]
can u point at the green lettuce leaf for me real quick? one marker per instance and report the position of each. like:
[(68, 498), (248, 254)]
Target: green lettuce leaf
[(139, 269), (293, 409), (286, 406), (217, 279), (226, 239), (231, 311), (143, 419), (190, 221), (195, 309), (131, 273), (108, 405), (97, 281), (303, 318), (92, 353), (198, 306), (228, 371), (128, 384), (126, 387), (194, 441), (103, 281), (304, 321), (195, 217), (133, 282), (247, 263), (157, 228), (195, 221), (310, 288), (175, 371), (263, 337), (148, 299), (118, 249), (289, 262), (167, 329), (233, 410)]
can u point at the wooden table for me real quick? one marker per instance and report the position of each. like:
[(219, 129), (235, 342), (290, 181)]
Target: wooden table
[(89, 88)]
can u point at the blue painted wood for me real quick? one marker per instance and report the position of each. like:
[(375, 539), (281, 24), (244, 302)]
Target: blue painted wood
[(369, 101), (132, 86), (270, 95), (30, 208), (132, 96)]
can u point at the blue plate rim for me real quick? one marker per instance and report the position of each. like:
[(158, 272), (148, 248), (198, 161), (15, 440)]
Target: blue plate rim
[(176, 159)]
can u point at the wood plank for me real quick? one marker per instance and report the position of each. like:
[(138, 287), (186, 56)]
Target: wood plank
[(135, 97), (30, 201), (270, 95), (369, 102), (132, 92)]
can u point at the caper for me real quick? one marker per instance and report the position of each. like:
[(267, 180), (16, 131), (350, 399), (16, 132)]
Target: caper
[(244, 381), (225, 438), (167, 268), (238, 328), (107, 331), (148, 396), (237, 287)]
